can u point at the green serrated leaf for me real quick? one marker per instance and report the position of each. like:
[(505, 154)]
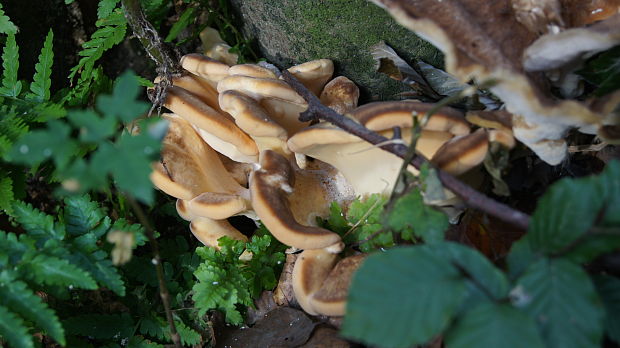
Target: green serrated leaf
[(609, 289), (81, 214), (140, 342), (101, 269), (13, 329), (411, 217), (42, 79), (52, 143), (6, 192), (11, 86), (16, 296), (37, 224), (129, 163), (563, 301), (122, 104), (54, 271), (105, 8), (93, 128), (6, 26), (566, 212), (592, 246), (111, 31), (491, 325), (417, 289), (475, 266)]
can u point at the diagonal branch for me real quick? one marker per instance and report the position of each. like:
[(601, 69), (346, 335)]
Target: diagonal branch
[(472, 198)]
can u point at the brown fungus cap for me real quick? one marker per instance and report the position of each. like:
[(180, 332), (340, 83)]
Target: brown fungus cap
[(380, 116), (208, 231), (269, 189), (341, 95), (367, 168), (191, 164), (205, 67), (462, 153), (201, 115), (259, 88), (251, 70), (313, 74), (331, 298), (217, 206), (310, 271)]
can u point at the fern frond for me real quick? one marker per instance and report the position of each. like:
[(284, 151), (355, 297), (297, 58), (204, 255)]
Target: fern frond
[(18, 297), (111, 32), (11, 87), (55, 271), (13, 249), (6, 191), (101, 268), (81, 214), (36, 223), (13, 329), (140, 342), (12, 126), (105, 8), (42, 79), (189, 337), (6, 26)]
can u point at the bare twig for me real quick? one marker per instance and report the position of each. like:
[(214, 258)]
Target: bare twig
[(474, 199), (163, 290)]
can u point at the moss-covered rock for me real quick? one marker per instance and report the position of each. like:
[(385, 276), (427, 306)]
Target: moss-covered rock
[(289, 32)]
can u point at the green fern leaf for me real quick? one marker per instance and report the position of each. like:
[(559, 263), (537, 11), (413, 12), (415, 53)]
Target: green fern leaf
[(6, 26), (189, 337), (11, 87), (42, 79), (151, 326), (13, 330), (37, 224), (12, 249), (105, 8), (111, 32), (17, 296), (140, 342), (55, 271), (101, 269), (6, 192), (81, 214)]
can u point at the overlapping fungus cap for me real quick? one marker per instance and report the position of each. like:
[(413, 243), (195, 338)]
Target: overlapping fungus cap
[(380, 116), (221, 132), (341, 95), (313, 74), (269, 188), (367, 168)]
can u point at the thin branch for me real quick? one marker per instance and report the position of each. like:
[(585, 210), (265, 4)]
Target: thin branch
[(163, 290), (472, 198)]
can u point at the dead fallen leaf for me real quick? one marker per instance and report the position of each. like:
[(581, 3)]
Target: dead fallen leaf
[(281, 327), (326, 337)]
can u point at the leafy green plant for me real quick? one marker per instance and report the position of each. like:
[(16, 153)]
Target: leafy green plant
[(545, 298), (111, 30), (126, 158), (226, 280), (55, 257)]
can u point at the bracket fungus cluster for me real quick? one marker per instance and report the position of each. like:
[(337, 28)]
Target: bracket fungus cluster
[(235, 146), (523, 47)]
